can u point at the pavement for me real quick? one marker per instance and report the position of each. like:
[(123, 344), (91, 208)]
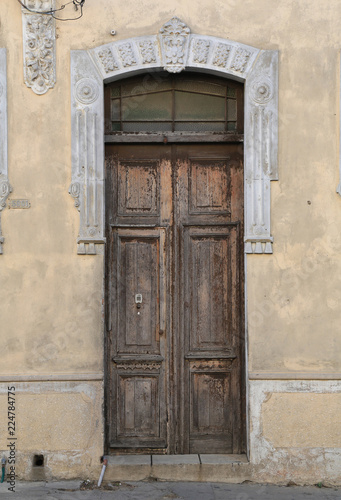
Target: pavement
[(157, 490)]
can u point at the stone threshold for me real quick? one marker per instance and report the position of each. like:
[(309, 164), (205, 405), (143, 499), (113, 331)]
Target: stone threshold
[(194, 467)]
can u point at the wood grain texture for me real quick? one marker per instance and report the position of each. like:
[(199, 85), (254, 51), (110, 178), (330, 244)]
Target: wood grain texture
[(175, 223)]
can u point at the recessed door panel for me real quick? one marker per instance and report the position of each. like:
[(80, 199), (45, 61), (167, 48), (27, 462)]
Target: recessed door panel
[(137, 363), (209, 182), (208, 282), (138, 279), (210, 414), (139, 406), (138, 188)]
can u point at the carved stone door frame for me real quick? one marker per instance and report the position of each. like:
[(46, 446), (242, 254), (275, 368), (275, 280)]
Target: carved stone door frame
[(174, 49)]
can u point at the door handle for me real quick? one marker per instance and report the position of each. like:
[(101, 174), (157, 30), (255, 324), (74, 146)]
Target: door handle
[(138, 300)]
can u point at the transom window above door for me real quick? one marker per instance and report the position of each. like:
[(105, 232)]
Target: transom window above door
[(160, 102)]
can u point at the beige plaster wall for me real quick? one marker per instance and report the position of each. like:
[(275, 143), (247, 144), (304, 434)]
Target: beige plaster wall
[(60, 420), (295, 431), (303, 420), (49, 294), (51, 305)]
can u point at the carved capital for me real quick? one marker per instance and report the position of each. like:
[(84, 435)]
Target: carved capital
[(39, 45)]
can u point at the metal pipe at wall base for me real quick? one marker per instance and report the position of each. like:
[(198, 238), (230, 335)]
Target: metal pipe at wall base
[(104, 460), (3, 469)]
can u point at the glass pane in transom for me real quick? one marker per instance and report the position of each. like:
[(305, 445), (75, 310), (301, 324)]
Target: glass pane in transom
[(147, 107), (201, 107), (159, 102)]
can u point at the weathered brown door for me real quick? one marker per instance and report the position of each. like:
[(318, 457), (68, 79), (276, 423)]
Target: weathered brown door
[(175, 297)]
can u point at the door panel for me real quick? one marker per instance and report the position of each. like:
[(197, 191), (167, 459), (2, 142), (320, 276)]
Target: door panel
[(206, 276), (138, 268), (211, 323), (138, 408), (209, 215), (138, 188), (210, 418), (209, 282), (137, 364), (208, 187), (175, 223)]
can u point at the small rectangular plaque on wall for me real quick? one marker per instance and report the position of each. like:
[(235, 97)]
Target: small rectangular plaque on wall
[(19, 204)]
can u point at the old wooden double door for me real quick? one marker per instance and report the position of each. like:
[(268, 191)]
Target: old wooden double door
[(175, 298)]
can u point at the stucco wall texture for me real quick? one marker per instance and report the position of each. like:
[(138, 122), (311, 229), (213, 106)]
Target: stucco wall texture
[(51, 299)]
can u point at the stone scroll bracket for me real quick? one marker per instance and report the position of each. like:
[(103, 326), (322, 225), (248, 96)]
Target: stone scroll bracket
[(174, 49), (5, 187), (39, 46)]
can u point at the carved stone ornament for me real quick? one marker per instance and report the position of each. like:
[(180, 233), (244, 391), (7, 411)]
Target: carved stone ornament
[(174, 43), (240, 60), (5, 190), (87, 91), (107, 59), (174, 49), (221, 55), (261, 91), (147, 50), (201, 50), (75, 190), (127, 55), (39, 39)]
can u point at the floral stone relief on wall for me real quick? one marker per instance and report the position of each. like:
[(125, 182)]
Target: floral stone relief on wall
[(39, 45)]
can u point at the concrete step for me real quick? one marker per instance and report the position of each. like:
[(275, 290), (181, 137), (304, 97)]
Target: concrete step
[(203, 467)]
